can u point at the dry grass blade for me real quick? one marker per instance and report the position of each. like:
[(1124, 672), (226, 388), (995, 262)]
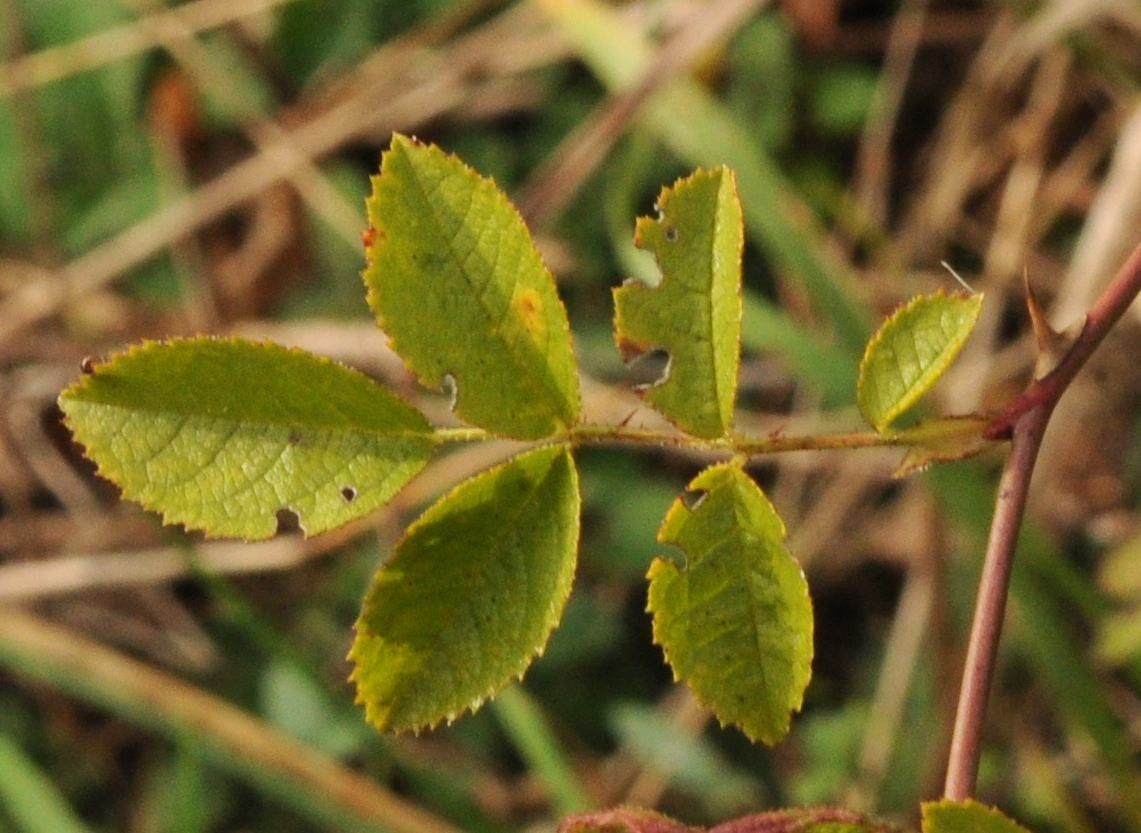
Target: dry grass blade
[(178, 39), (86, 572), (151, 696), (1111, 226), (554, 184), (873, 163), (412, 95), (120, 42)]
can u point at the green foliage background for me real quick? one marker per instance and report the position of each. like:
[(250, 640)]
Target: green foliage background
[(996, 161)]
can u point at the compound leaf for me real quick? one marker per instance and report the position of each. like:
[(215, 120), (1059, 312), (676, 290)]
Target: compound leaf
[(736, 622), (910, 352), (471, 593), (966, 817), (694, 314), (222, 434), (458, 285)]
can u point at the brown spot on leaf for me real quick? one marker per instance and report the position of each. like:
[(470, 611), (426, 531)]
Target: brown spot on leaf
[(628, 348), (529, 306), (528, 303)]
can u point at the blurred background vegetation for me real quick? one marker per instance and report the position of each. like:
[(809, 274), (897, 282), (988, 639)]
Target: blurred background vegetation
[(168, 169)]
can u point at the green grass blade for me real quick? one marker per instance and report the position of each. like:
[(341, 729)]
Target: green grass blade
[(702, 131), (828, 367), (30, 798), (313, 785), (525, 724)]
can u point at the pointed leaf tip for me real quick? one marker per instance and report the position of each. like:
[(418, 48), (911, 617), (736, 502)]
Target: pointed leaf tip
[(458, 285), (221, 435), (909, 353), (470, 595), (694, 314), (736, 622)]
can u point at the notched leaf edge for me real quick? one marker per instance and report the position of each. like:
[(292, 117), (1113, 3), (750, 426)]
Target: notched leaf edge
[(684, 506), (633, 350)]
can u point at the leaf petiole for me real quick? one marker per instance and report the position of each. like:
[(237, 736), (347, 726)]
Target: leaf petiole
[(739, 444)]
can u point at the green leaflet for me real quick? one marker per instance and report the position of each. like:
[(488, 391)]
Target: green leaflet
[(455, 280), (736, 622), (471, 593), (910, 352), (30, 797), (221, 434), (695, 312), (966, 817)]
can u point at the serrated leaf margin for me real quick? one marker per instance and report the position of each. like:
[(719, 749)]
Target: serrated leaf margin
[(660, 566), (557, 601), (917, 387), (469, 409), (139, 348)]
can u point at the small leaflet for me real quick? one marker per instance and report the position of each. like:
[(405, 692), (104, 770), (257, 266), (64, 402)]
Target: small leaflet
[(694, 314), (736, 621), (909, 353), (223, 435), (966, 817), (456, 282), (470, 595)]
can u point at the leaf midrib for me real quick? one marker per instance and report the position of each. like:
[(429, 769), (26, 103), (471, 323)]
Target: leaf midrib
[(254, 424)]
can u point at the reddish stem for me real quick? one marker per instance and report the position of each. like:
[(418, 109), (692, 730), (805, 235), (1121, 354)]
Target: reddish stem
[(990, 606), (1105, 312), (1025, 421)]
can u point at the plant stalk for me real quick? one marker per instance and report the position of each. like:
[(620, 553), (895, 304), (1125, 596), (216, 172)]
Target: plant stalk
[(1024, 421), (990, 606), (750, 446)]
